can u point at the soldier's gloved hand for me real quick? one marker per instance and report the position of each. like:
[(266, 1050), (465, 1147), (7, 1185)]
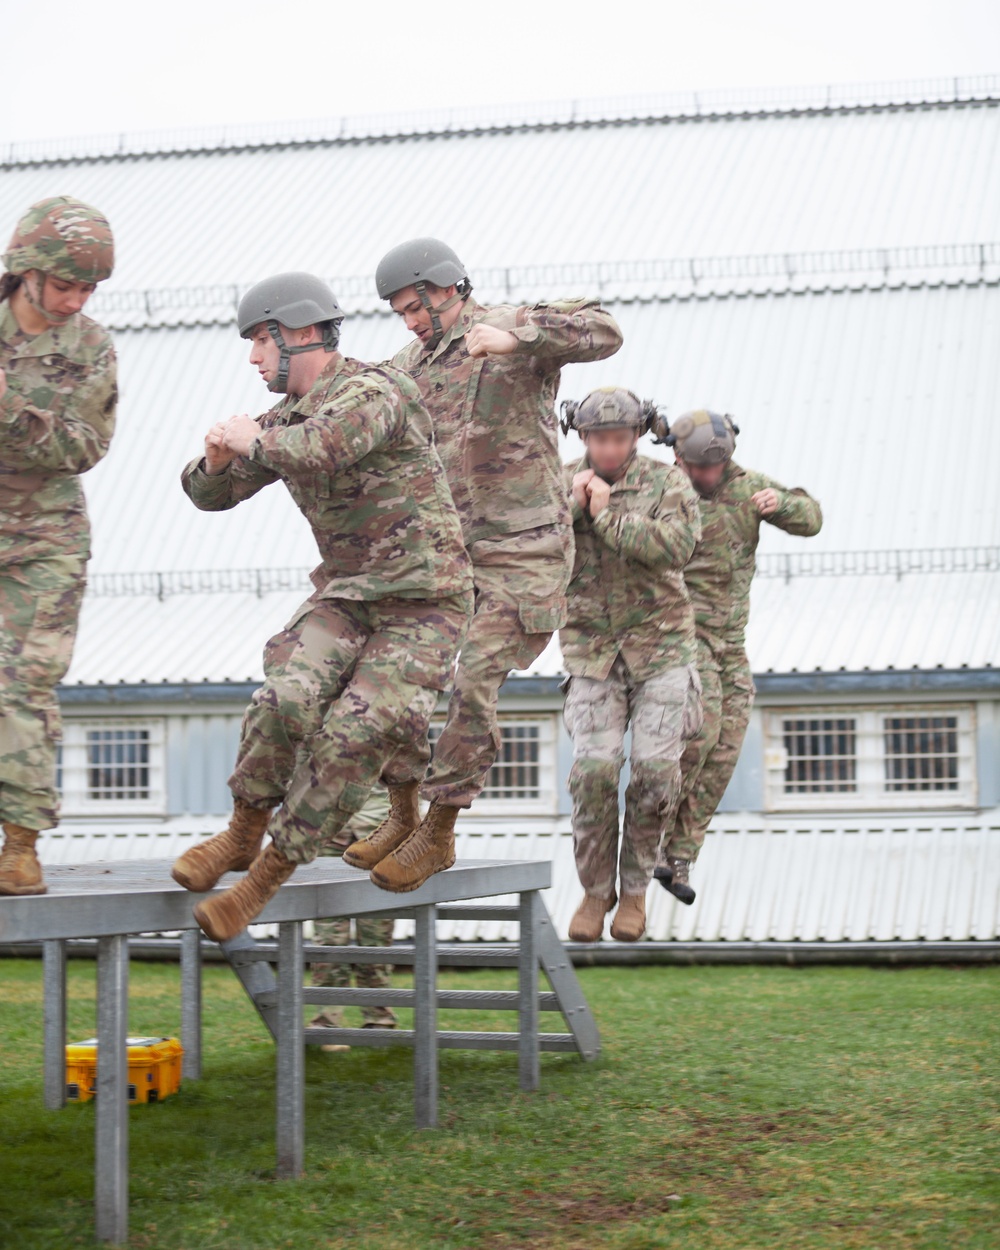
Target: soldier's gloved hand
[(239, 433), (485, 340), (765, 501), (580, 492), (600, 495)]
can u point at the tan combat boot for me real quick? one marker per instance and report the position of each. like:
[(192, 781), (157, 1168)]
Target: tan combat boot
[(403, 818), (20, 871), (232, 850), (587, 924), (224, 915), (629, 923), (430, 848)]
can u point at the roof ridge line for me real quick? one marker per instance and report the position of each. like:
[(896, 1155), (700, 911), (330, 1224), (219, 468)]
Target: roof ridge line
[(690, 105)]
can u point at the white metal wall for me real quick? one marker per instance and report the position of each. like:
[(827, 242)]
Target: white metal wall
[(858, 879)]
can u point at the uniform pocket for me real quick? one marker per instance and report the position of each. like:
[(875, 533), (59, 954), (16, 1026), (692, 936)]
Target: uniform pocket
[(543, 618)]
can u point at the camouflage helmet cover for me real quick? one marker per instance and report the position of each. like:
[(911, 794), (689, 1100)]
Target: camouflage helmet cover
[(65, 238), (611, 408), (703, 437)]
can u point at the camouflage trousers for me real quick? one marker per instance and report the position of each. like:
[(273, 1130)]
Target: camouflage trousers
[(39, 609), (371, 930), (520, 600), (347, 685), (710, 758), (664, 713)]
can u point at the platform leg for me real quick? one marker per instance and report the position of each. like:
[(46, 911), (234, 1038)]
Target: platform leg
[(425, 1055), (191, 1003), (528, 1069), (291, 1052), (54, 1016), (111, 1152)]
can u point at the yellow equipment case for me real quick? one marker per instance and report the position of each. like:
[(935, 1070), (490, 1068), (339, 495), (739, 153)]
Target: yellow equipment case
[(154, 1069)]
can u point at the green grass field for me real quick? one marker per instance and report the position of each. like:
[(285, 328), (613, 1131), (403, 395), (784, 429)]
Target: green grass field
[(732, 1108)]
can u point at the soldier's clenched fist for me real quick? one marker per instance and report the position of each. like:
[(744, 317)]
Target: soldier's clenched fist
[(484, 340)]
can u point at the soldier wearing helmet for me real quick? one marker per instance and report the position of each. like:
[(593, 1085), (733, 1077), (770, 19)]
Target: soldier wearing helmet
[(733, 502), (58, 396), (355, 675), (489, 377), (629, 648)]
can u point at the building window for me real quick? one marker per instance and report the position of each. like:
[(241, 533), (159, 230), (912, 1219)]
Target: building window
[(522, 779), (112, 767), (870, 757)]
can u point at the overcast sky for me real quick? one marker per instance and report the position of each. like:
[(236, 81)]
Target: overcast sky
[(75, 69)]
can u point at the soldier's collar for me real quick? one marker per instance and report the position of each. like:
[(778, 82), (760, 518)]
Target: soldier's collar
[(629, 479), (340, 366), (55, 340), (466, 320)]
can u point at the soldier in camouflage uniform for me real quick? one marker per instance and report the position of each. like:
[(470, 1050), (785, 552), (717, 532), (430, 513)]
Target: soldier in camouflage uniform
[(371, 931), (733, 502), (58, 396), (629, 648), (489, 377), (357, 671)]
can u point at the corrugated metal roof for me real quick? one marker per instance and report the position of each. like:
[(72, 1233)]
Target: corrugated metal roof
[(840, 879), (882, 403), (638, 189)]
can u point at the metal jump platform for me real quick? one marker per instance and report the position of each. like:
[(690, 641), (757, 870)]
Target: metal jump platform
[(109, 901)]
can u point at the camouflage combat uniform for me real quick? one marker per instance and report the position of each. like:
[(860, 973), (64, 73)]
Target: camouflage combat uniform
[(495, 428), (56, 422), (718, 578), (357, 671), (629, 647), (371, 930)]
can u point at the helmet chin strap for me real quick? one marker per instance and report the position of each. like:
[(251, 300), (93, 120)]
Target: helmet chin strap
[(35, 300), (438, 332), (279, 383)]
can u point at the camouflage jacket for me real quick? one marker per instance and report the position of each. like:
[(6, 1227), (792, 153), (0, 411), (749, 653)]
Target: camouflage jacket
[(627, 595), (719, 573), (56, 422), (494, 416), (357, 456)]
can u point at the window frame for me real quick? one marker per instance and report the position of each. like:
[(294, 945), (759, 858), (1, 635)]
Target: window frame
[(547, 802), (74, 766), (870, 760)]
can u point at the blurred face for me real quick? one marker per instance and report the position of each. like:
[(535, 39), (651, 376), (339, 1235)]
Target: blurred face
[(407, 305), (705, 478), (609, 450), (58, 296)]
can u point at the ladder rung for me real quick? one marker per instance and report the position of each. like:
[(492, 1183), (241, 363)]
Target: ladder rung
[(463, 1000), (447, 1039), (467, 955)]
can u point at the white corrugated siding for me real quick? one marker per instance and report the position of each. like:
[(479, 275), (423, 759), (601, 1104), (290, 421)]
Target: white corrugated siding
[(660, 188), (933, 878)]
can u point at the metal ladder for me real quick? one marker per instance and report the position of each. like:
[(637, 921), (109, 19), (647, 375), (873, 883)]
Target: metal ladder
[(254, 963)]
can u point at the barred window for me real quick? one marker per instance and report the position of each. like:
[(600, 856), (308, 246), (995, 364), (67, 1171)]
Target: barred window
[(821, 755), (522, 778), (921, 753), (113, 767), (870, 757)]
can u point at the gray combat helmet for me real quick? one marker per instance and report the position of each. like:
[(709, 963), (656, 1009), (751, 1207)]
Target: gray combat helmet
[(613, 408), (295, 300), (416, 263), (703, 437)]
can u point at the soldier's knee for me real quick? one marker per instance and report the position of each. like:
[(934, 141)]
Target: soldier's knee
[(654, 786), (594, 779)]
